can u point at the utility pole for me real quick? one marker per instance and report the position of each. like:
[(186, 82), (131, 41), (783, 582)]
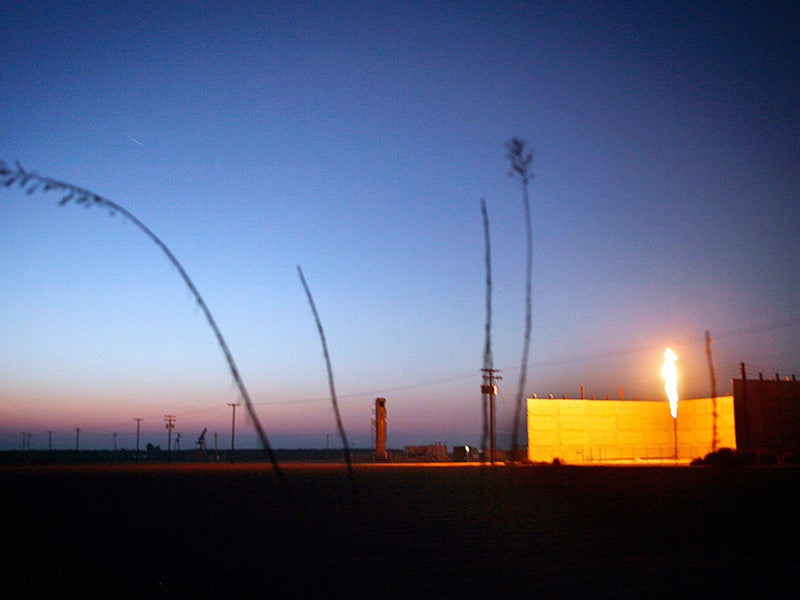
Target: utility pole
[(675, 434), (233, 405), (489, 390), (50, 439), (114, 435), (170, 425), (77, 440), (714, 435), (138, 425)]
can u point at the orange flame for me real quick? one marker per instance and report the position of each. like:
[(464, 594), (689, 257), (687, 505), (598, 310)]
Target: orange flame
[(670, 374)]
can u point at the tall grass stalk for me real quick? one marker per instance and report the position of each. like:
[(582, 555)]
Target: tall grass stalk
[(32, 182), (521, 160), (488, 361), (330, 379)]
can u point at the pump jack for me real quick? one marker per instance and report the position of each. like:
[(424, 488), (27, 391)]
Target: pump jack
[(201, 446)]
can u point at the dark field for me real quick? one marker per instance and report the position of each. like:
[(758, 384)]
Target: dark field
[(410, 531)]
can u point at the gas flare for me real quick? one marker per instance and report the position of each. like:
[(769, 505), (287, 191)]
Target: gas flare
[(670, 374)]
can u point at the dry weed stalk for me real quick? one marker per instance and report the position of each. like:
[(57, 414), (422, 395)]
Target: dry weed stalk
[(31, 182), (330, 379), (521, 160), (488, 361)]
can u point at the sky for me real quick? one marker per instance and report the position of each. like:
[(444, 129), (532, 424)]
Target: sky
[(356, 141)]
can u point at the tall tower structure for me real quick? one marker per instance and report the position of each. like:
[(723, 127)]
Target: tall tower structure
[(380, 429)]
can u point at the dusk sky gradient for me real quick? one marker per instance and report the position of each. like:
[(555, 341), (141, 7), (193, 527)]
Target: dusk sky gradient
[(356, 140)]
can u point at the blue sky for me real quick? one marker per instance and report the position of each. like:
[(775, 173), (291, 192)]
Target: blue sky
[(356, 140)]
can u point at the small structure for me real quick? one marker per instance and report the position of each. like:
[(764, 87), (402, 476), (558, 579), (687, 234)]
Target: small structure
[(466, 453)]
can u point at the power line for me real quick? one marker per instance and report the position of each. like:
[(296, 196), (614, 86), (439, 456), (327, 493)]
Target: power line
[(758, 328), (555, 362), (728, 370)]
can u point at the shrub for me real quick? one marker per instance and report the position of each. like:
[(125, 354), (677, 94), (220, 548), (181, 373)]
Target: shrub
[(791, 458), (722, 457), (767, 458), (728, 457)]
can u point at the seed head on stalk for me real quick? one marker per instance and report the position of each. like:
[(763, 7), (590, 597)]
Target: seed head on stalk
[(521, 159), (31, 182)]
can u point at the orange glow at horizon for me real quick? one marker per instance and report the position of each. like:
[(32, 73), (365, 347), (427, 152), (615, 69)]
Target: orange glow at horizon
[(670, 374)]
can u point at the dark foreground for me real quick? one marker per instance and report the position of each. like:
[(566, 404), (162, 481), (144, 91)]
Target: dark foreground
[(408, 531)]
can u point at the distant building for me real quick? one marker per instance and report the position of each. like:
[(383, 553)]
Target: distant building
[(428, 453)]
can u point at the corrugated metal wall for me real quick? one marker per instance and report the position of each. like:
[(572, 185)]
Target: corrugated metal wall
[(596, 431)]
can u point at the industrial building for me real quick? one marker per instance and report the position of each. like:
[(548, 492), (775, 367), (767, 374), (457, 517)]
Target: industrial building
[(768, 414), (605, 431), (762, 415)]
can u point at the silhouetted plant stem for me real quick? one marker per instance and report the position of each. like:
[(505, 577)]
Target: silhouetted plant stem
[(520, 168), (31, 182), (330, 379), (488, 361)]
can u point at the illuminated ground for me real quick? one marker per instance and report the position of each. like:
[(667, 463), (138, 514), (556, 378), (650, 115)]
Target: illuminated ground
[(456, 531)]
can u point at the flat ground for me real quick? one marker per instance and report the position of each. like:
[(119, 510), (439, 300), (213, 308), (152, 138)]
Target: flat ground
[(459, 531)]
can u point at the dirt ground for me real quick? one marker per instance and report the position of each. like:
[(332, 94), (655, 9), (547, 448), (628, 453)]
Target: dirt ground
[(402, 531)]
